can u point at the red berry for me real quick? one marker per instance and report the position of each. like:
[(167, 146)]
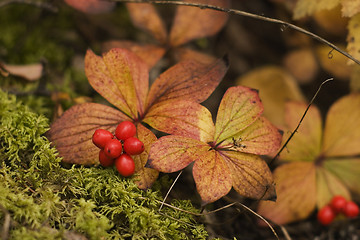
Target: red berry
[(113, 148), (100, 137), (133, 146), (338, 203), (351, 209), (326, 215), (125, 130), (125, 165), (105, 161)]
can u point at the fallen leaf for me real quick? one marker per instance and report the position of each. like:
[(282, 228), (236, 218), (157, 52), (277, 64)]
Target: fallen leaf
[(350, 7), (353, 38), (30, 72), (192, 22), (149, 53), (91, 6), (296, 193), (333, 62), (308, 7), (276, 87), (145, 17), (302, 64), (72, 132), (342, 132)]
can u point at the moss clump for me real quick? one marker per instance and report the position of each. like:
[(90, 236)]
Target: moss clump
[(40, 199)]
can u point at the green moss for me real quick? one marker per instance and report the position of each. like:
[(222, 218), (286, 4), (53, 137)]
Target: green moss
[(48, 201)]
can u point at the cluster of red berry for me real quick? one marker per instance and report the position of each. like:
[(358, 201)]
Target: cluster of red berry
[(119, 148), (338, 205)]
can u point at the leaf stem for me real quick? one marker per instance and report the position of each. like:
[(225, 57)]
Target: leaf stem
[(284, 24)]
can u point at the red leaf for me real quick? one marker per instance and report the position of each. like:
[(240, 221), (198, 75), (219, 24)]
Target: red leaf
[(188, 80), (72, 132), (91, 6), (251, 176), (150, 54), (121, 77), (239, 108), (144, 177), (173, 153), (145, 16), (180, 117), (192, 22)]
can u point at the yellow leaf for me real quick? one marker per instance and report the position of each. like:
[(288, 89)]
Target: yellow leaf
[(350, 7), (342, 131), (328, 186), (275, 88), (308, 7), (306, 142), (353, 38), (296, 193)]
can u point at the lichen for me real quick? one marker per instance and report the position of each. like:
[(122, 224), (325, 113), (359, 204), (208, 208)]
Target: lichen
[(45, 200)]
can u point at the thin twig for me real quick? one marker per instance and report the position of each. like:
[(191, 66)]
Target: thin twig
[(247, 14), (302, 118), (168, 192), (44, 5)]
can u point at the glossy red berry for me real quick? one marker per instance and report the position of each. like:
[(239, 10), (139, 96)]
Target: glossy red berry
[(125, 130), (133, 146), (100, 137), (338, 203), (125, 165), (113, 148), (326, 215), (105, 161), (351, 209)]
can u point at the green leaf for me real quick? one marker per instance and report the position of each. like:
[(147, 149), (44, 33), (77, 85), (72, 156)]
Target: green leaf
[(121, 77), (72, 132), (342, 131), (306, 142), (239, 108), (181, 117), (347, 170), (251, 176), (173, 153), (296, 193), (190, 80)]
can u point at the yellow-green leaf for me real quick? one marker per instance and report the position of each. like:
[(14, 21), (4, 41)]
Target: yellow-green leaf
[(347, 170), (342, 131), (72, 132), (353, 38), (350, 7), (239, 108), (306, 142), (251, 176), (296, 193), (181, 117), (308, 7), (328, 186)]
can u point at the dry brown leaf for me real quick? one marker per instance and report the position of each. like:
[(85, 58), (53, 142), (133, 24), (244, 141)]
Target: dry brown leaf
[(183, 54), (275, 87), (302, 64), (31, 72)]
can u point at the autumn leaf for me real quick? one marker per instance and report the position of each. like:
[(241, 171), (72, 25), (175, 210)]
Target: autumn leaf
[(331, 155), (222, 159), (91, 6), (122, 78)]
